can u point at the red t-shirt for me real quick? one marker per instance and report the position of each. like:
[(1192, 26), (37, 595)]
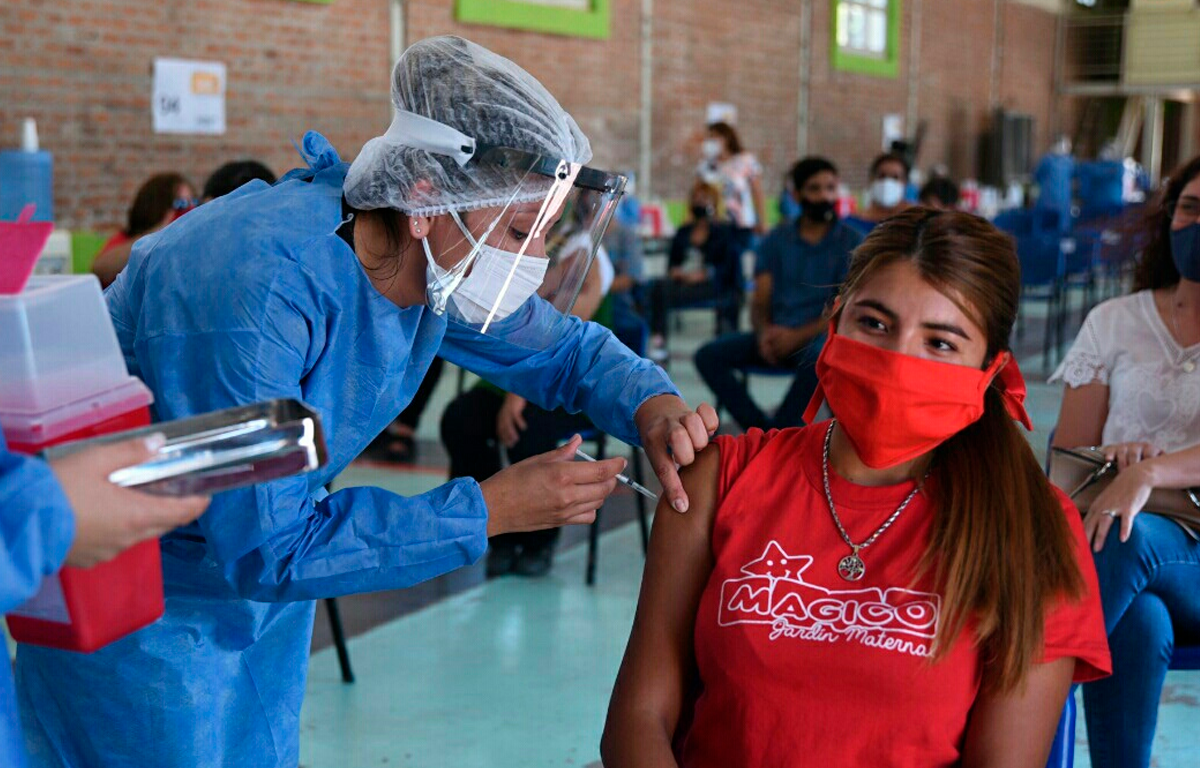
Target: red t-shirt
[(801, 667)]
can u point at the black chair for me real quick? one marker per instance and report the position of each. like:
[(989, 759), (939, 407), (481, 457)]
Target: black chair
[(339, 639), (635, 464), (637, 342), (339, 633)]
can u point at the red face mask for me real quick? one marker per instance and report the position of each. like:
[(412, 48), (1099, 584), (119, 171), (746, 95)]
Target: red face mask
[(897, 407)]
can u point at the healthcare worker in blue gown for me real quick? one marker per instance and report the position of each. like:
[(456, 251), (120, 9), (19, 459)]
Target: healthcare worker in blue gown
[(337, 286), (68, 512)]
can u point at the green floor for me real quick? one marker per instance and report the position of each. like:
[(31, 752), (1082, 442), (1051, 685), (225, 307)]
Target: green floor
[(517, 673)]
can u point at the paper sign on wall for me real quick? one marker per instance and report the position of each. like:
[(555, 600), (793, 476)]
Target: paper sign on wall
[(189, 96), (720, 112), (893, 130)]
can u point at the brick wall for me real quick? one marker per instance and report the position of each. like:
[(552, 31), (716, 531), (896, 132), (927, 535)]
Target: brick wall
[(83, 70)]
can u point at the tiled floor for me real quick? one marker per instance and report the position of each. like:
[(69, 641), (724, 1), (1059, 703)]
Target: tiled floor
[(517, 673)]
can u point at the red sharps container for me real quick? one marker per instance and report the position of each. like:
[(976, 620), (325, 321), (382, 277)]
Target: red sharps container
[(62, 378)]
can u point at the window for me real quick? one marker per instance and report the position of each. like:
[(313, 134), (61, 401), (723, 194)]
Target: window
[(866, 36), (862, 27), (579, 18)]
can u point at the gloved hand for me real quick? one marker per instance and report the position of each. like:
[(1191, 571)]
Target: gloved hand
[(549, 490), (108, 518)]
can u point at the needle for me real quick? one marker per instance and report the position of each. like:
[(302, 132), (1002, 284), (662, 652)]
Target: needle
[(623, 479)]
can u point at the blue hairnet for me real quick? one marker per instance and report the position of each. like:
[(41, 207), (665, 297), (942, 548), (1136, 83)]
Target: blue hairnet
[(420, 167)]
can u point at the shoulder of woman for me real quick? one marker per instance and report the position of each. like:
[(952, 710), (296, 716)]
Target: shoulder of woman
[(1118, 310)]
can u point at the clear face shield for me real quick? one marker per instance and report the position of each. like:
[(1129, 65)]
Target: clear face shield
[(542, 239)]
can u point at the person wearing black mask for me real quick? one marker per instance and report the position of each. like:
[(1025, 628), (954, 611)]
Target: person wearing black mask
[(798, 268), (704, 266)]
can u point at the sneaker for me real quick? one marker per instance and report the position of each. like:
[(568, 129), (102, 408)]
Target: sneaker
[(534, 562), (658, 354), (501, 560)]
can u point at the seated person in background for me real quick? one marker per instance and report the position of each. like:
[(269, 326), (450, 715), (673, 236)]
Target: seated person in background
[(484, 421), (939, 192), (789, 209), (1134, 388), (798, 268), (843, 594), (624, 248), (704, 265), (232, 175), (159, 201), (115, 255), (889, 178)]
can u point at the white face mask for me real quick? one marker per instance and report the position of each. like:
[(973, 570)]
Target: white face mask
[(476, 293), (887, 192), (711, 148)]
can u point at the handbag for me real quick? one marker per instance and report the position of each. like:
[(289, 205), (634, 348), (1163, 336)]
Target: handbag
[(1082, 473)]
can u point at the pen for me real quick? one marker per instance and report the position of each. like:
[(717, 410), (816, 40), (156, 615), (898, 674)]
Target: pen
[(623, 479)]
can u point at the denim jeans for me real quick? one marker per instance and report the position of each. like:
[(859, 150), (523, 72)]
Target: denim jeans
[(719, 359), (1150, 588)]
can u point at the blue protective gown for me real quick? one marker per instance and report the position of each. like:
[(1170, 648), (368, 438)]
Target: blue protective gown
[(36, 529), (252, 297)]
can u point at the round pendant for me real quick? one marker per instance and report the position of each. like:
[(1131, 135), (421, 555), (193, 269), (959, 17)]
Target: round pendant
[(1189, 366), (851, 568)]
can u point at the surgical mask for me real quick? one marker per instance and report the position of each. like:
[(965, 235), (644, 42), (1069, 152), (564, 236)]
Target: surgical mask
[(895, 407), (887, 193), (1185, 250), (819, 211), (711, 148), (476, 294)]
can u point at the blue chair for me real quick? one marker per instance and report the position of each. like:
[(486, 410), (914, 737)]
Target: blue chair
[(1081, 259), (1043, 278), (1062, 751)]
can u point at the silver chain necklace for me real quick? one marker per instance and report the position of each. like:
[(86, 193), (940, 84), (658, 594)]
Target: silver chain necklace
[(851, 567)]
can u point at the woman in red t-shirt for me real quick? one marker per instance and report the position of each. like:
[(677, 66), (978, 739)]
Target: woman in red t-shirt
[(897, 586)]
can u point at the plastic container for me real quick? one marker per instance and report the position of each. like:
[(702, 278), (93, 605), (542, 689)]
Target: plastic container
[(126, 406), (26, 177), (57, 345), (62, 377), (82, 609)]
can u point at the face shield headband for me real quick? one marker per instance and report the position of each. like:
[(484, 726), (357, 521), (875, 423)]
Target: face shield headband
[(564, 177)]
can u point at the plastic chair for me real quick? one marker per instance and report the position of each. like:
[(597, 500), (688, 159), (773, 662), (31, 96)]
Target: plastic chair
[(339, 639), (1062, 751), (1081, 257), (1043, 276), (1043, 268), (725, 301), (747, 372), (636, 336), (339, 633), (635, 463)]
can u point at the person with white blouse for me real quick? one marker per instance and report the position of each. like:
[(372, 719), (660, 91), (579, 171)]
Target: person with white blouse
[(1133, 386)]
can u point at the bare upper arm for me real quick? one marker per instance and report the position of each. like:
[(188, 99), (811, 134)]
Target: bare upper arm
[(659, 663), (1015, 730), (590, 295), (1082, 415), (110, 263), (763, 285)]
